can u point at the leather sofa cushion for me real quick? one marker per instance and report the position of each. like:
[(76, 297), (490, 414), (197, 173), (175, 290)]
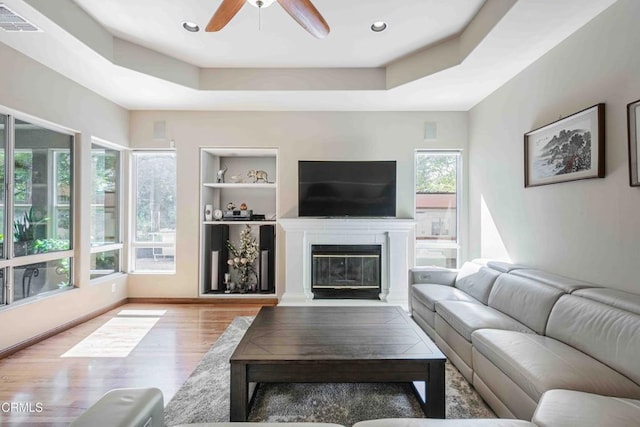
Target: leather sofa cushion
[(503, 267), (430, 294), (606, 333), (565, 284), (125, 407), (422, 311), (537, 364), (568, 408), (613, 297), (526, 300), (467, 317), (431, 422), (478, 284)]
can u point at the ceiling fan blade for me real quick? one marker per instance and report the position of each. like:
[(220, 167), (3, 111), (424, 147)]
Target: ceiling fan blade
[(305, 14), (223, 15)]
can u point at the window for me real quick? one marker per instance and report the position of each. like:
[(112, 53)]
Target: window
[(106, 237), (437, 202), (38, 163), (3, 203), (154, 211)]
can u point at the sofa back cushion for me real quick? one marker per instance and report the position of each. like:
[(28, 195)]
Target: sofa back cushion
[(526, 300), (604, 332), (566, 284), (503, 266), (620, 299), (478, 284)]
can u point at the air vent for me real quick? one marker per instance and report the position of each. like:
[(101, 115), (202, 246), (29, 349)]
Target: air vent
[(11, 21)]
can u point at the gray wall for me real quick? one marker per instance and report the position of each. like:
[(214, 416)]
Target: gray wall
[(299, 136), (586, 229)]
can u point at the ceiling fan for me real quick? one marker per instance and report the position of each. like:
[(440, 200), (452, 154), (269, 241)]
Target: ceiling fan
[(302, 11)]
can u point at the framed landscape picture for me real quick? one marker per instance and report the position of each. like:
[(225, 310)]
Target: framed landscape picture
[(566, 150), (633, 118)]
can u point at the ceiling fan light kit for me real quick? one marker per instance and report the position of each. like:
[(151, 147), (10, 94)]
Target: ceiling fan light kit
[(260, 3), (302, 11)]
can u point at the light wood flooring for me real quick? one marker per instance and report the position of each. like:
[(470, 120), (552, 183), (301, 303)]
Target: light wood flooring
[(37, 377)]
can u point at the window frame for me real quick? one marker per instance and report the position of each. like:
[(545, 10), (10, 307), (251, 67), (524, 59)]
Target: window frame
[(109, 247), (134, 244), (441, 244), (8, 261)]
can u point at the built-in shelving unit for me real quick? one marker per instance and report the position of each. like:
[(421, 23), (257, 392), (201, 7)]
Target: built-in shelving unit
[(237, 188)]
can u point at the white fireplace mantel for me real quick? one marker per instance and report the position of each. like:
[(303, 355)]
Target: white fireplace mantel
[(394, 235)]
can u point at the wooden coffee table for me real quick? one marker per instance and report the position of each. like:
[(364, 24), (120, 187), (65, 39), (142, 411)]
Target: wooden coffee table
[(336, 345)]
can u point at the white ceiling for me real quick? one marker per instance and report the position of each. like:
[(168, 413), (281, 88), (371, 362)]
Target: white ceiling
[(435, 55), (281, 42)]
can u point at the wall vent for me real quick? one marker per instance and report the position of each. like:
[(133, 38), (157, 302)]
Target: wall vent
[(11, 21)]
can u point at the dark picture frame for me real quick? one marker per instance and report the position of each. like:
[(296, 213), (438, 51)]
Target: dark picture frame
[(633, 118), (568, 149)]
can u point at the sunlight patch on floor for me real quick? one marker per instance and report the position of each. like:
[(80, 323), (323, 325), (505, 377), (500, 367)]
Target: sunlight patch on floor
[(116, 338), (151, 313)]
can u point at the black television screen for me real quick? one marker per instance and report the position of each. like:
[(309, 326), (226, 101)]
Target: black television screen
[(351, 188)]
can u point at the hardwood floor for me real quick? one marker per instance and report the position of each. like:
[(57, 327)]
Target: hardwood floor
[(53, 390)]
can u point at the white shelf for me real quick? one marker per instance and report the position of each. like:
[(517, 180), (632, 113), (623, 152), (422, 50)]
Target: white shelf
[(248, 295), (241, 152), (232, 222), (270, 185)]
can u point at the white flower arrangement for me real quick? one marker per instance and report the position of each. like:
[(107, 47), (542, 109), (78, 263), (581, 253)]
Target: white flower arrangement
[(244, 257)]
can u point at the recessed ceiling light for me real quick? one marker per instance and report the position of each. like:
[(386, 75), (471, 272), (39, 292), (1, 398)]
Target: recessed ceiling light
[(190, 26), (378, 26)]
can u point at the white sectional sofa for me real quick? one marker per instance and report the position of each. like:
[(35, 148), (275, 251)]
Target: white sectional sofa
[(516, 333)]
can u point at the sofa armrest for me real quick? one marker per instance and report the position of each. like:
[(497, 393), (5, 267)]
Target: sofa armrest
[(432, 275), (126, 407)]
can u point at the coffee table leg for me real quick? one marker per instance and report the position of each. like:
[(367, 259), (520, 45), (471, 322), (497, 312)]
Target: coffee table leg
[(435, 404), (238, 389)]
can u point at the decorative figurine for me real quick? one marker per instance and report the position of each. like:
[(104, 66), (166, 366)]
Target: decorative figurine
[(231, 206), (243, 207), (220, 174), (258, 175)]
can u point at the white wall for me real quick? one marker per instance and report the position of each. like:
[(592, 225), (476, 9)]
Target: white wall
[(32, 91), (585, 229), (298, 135)]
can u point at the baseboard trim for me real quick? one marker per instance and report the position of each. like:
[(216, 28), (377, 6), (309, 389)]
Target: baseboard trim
[(65, 326), (208, 301)]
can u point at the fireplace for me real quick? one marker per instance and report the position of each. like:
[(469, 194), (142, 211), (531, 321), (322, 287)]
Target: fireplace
[(346, 271), (393, 235)]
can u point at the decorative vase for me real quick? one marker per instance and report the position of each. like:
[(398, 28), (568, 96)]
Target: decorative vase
[(244, 278)]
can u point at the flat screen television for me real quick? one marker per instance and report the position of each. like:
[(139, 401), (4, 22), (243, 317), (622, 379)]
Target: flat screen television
[(347, 188)]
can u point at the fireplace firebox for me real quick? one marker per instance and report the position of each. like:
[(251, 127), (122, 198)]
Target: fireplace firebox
[(346, 271)]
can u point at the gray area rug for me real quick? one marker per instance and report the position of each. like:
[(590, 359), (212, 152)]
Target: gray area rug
[(204, 397)]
